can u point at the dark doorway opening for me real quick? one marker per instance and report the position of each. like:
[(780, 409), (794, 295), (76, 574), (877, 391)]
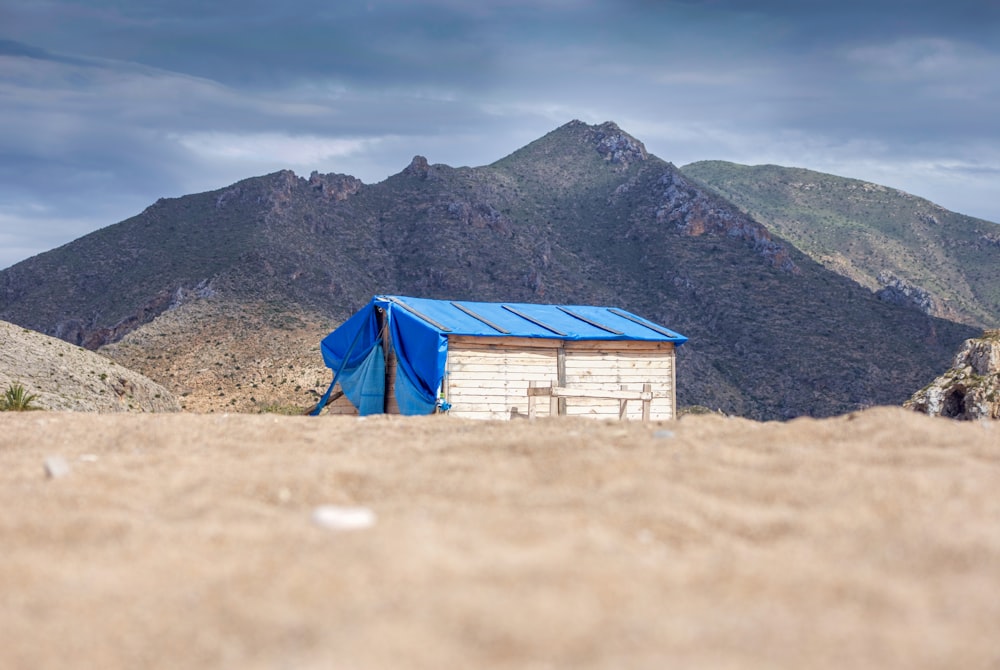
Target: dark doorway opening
[(954, 403)]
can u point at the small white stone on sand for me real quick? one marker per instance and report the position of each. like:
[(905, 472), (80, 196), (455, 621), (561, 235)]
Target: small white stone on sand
[(343, 518), (663, 434), (56, 467)]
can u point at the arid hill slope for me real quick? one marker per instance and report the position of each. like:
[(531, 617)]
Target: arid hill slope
[(232, 356), (67, 377)]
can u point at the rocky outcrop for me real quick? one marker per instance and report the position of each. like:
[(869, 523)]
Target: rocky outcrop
[(93, 337), (900, 292), (480, 215), (970, 389), (617, 146), (418, 167), (334, 186), (694, 212), (274, 189)]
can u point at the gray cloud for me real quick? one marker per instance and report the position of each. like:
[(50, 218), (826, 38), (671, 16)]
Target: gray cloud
[(106, 106)]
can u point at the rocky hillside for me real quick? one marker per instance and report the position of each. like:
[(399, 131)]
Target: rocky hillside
[(582, 215), (970, 389), (64, 376), (905, 249)]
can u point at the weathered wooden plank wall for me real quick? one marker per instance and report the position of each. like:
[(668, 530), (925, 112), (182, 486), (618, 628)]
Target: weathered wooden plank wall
[(630, 365), (487, 377)]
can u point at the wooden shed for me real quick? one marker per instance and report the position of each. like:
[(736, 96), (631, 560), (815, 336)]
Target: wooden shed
[(403, 355)]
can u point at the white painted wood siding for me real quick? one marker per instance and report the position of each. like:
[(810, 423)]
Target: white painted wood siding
[(487, 377), (625, 366)]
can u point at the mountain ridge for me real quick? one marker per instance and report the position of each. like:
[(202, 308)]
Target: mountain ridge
[(584, 214)]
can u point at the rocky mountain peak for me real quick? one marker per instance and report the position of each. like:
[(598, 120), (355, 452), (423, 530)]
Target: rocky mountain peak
[(617, 146), (272, 189), (418, 167)]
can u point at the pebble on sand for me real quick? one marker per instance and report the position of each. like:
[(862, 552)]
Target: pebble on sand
[(335, 517), (56, 467)]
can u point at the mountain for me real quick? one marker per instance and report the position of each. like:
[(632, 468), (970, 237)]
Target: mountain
[(582, 215), (66, 377), (906, 249)]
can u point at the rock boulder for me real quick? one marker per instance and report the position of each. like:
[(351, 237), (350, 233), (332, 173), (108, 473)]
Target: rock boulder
[(970, 389)]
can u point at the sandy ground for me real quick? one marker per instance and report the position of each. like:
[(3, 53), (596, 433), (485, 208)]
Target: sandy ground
[(188, 541)]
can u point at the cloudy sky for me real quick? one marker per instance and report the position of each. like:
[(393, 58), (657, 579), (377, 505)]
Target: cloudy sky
[(107, 105)]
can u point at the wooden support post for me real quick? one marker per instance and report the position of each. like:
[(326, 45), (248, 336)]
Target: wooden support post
[(535, 389), (386, 353), (561, 376), (514, 414), (623, 405), (647, 400), (329, 401), (673, 382)]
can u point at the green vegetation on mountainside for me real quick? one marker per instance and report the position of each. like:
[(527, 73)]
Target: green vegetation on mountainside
[(865, 231)]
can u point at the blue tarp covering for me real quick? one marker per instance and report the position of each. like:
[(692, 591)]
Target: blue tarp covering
[(419, 330), (421, 354), (364, 384), (354, 353)]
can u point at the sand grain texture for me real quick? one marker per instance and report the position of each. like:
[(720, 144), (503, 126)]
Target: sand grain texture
[(187, 541)]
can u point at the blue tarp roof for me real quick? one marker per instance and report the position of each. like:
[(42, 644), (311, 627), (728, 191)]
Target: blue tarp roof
[(419, 329), (564, 322)]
